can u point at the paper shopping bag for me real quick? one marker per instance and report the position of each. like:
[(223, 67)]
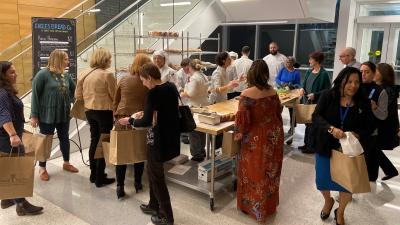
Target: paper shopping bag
[(99, 149), (127, 146), (41, 144), (304, 112), (78, 110), (350, 172), (230, 147), (16, 175)]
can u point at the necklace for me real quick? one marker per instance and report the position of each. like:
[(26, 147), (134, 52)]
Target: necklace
[(61, 82)]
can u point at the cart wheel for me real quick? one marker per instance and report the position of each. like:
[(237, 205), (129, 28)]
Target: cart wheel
[(289, 142), (212, 204)]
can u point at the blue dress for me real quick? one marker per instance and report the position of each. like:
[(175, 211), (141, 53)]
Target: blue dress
[(323, 174)]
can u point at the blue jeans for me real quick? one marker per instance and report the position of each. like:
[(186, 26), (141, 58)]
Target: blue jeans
[(63, 136)]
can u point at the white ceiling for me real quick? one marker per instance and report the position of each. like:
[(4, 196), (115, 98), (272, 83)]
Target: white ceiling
[(303, 11)]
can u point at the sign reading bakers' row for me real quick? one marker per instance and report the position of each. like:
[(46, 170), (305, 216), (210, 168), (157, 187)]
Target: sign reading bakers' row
[(49, 34)]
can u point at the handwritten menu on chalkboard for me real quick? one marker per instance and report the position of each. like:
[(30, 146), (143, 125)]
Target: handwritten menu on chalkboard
[(49, 34)]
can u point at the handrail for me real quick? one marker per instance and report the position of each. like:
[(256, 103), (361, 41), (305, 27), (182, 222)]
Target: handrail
[(106, 24), (30, 35)]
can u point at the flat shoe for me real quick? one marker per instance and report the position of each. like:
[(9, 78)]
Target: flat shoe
[(44, 176), (70, 168)]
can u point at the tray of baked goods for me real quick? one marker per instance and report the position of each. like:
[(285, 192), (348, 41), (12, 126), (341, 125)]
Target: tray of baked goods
[(145, 51), (171, 34), (173, 51), (283, 93), (212, 118)]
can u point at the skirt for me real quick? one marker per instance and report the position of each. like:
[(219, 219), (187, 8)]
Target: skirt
[(323, 178)]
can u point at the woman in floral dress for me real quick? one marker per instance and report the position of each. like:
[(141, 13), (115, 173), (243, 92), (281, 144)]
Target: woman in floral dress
[(260, 129)]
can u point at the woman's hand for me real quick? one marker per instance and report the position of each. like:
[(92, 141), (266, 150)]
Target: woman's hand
[(301, 91), (233, 84), (338, 133), (311, 97), (15, 141), (137, 115), (124, 121), (34, 122), (374, 106)]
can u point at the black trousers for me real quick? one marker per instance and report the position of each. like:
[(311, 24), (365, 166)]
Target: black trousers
[(307, 135), (159, 195), (375, 158), (100, 121), (233, 94), (120, 171)]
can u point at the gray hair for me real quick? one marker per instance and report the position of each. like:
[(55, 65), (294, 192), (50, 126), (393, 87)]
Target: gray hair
[(351, 51)]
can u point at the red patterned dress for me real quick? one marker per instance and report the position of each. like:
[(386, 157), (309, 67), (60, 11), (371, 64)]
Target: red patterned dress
[(259, 121)]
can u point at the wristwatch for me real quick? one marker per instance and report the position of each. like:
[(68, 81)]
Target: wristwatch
[(330, 129)]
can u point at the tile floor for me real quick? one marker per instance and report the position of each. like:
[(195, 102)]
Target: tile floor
[(71, 199)]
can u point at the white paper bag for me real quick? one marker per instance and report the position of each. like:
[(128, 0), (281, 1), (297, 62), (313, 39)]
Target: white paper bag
[(350, 145)]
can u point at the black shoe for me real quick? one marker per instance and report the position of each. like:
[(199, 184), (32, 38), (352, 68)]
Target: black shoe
[(160, 220), (197, 159), (387, 177), (324, 215), (146, 209), (105, 181), (302, 147), (7, 203), (92, 178), (289, 142), (138, 186), (120, 192), (307, 151), (26, 208)]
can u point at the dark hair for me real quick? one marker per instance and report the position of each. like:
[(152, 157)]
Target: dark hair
[(4, 83), (387, 73), (273, 42), (220, 58), (258, 75), (317, 56), (150, 70), (246, 49), (185, 62), (370, 65), (343, 77)]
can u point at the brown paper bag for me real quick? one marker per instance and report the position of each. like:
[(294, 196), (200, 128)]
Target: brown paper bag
[(78, 110), (350, 172), (16, 176), (304, 112), (127, 146), (106, 150), (41, 144), (230, 147), (99, 149)]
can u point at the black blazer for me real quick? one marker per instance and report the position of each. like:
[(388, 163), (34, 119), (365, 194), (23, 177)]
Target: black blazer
[(163, 99), (327, 113)]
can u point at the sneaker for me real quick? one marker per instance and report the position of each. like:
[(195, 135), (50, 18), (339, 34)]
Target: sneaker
[(7, 203), (26, 208)]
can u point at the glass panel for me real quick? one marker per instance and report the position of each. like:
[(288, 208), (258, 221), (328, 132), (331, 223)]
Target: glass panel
[(396, 55), (380, 10), (283, 34), (371, 44)]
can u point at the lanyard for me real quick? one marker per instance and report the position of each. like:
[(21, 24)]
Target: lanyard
[(343, 115)]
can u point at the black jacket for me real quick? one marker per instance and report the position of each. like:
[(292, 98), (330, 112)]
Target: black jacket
[(327, 113)]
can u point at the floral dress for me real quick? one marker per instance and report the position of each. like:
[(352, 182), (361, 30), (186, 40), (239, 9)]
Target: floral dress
[(259, 121)]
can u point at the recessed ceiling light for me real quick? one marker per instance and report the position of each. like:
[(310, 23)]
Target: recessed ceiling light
[(175, 4)]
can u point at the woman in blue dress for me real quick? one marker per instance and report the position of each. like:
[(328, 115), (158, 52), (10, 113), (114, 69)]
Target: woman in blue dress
[(343, 108)]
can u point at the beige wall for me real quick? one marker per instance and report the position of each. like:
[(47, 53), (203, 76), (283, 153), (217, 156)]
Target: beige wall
[(15, 24)]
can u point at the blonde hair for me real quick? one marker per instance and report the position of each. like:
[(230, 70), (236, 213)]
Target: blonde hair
[(197, 65), (139, 60), (56, 61), (100, 58)]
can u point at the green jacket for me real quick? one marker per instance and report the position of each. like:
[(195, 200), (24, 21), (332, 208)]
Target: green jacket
[(321, 83), (52, 95)]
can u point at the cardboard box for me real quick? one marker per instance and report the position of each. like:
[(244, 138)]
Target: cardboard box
[(223, 165)]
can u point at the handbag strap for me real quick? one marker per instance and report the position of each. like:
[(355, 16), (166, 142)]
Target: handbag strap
[(83, 80)]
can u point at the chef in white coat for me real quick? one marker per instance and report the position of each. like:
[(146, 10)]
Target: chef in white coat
[(275, 62)]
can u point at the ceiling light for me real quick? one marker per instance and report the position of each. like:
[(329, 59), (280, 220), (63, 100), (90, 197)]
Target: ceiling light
[(256, 22), (174, 4), (231, 0), (94, 10)]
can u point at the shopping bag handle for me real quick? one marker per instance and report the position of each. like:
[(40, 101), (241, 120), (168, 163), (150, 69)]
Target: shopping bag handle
[(12, 151)]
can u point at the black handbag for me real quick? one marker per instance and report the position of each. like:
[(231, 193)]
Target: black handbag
[(186, 120)]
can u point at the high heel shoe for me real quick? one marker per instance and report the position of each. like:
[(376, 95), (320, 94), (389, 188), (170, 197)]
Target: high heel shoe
[(138, 186), (325, 215), (120, 192)]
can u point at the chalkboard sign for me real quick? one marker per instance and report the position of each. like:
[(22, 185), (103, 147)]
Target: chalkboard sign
[(49, 34)]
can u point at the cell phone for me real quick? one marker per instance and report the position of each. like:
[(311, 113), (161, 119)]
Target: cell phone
[(371, 94)]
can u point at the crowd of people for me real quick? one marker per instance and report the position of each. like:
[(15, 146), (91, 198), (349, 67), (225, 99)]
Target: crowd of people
[(360, 93)]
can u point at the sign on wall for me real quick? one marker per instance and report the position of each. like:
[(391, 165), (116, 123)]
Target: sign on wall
[(49, 34)]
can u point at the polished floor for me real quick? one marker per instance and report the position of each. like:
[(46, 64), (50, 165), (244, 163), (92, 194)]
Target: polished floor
[(71, 199)]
